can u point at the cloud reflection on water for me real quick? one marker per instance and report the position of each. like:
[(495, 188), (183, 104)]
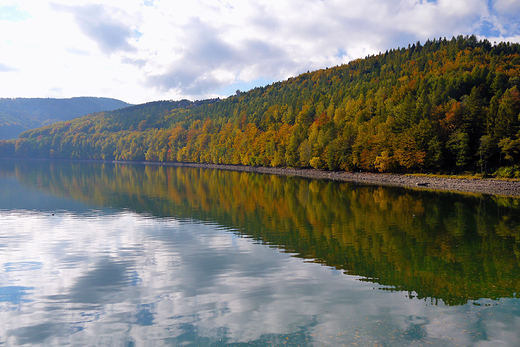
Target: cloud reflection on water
[(119, 278)]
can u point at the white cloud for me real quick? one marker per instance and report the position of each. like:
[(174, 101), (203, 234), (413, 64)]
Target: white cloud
[(109, 27), (6, 68), (507, 7), (148, 50)]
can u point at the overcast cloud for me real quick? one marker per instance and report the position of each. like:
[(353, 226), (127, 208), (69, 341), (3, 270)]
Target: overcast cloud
[(144, 50)]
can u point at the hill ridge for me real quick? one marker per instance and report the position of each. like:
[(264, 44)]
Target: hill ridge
[(21, 114)]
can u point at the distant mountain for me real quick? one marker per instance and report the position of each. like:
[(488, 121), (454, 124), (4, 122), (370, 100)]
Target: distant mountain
[(21, 114)]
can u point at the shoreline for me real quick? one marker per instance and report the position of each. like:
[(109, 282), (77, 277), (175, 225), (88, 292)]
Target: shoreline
[(487, 186)]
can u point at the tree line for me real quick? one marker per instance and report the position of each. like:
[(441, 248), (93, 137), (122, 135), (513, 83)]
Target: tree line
[(442, 106)]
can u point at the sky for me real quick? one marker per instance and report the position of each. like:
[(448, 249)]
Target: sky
[(146, 50)]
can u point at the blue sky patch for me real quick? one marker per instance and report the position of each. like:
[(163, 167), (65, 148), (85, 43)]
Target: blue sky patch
[(243, 86), (14, 294), (12, 13), (23, 266), (488, 29)]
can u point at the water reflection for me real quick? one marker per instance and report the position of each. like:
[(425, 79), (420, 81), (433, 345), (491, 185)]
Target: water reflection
[(148, 284), (176, 260), (443, 246)]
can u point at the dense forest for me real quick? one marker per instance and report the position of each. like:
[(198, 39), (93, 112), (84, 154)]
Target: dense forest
[(442, 106), (21, 114)]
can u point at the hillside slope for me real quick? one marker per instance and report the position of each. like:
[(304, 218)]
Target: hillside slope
[(445, 105), (20, 114)]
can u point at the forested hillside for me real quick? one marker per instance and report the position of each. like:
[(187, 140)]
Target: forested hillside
[(442, 106), (20, 114)]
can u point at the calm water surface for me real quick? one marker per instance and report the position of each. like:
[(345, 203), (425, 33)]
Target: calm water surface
[(123, 255)]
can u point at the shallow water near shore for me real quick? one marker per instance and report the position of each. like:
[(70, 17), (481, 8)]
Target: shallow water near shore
[(110, 254)]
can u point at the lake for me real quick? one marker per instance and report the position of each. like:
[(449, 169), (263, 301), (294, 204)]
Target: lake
[(131, 255)]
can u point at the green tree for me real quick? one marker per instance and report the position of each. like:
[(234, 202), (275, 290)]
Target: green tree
[(305, 153), (487, 148), (459, 146), (510, 148), (507, 118)]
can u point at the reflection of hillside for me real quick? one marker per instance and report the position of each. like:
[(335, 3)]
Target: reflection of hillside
[(440, 246)]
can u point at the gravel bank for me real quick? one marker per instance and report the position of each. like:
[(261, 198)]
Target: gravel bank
[(485, 186)]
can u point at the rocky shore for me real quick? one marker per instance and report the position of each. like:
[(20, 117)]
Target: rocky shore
[(484, 186)]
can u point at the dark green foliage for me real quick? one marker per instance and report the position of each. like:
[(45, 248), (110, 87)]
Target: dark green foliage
[(459, 146)]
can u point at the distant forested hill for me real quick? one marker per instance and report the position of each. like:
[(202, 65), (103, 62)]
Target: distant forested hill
[(21, 114), (441, 106)]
